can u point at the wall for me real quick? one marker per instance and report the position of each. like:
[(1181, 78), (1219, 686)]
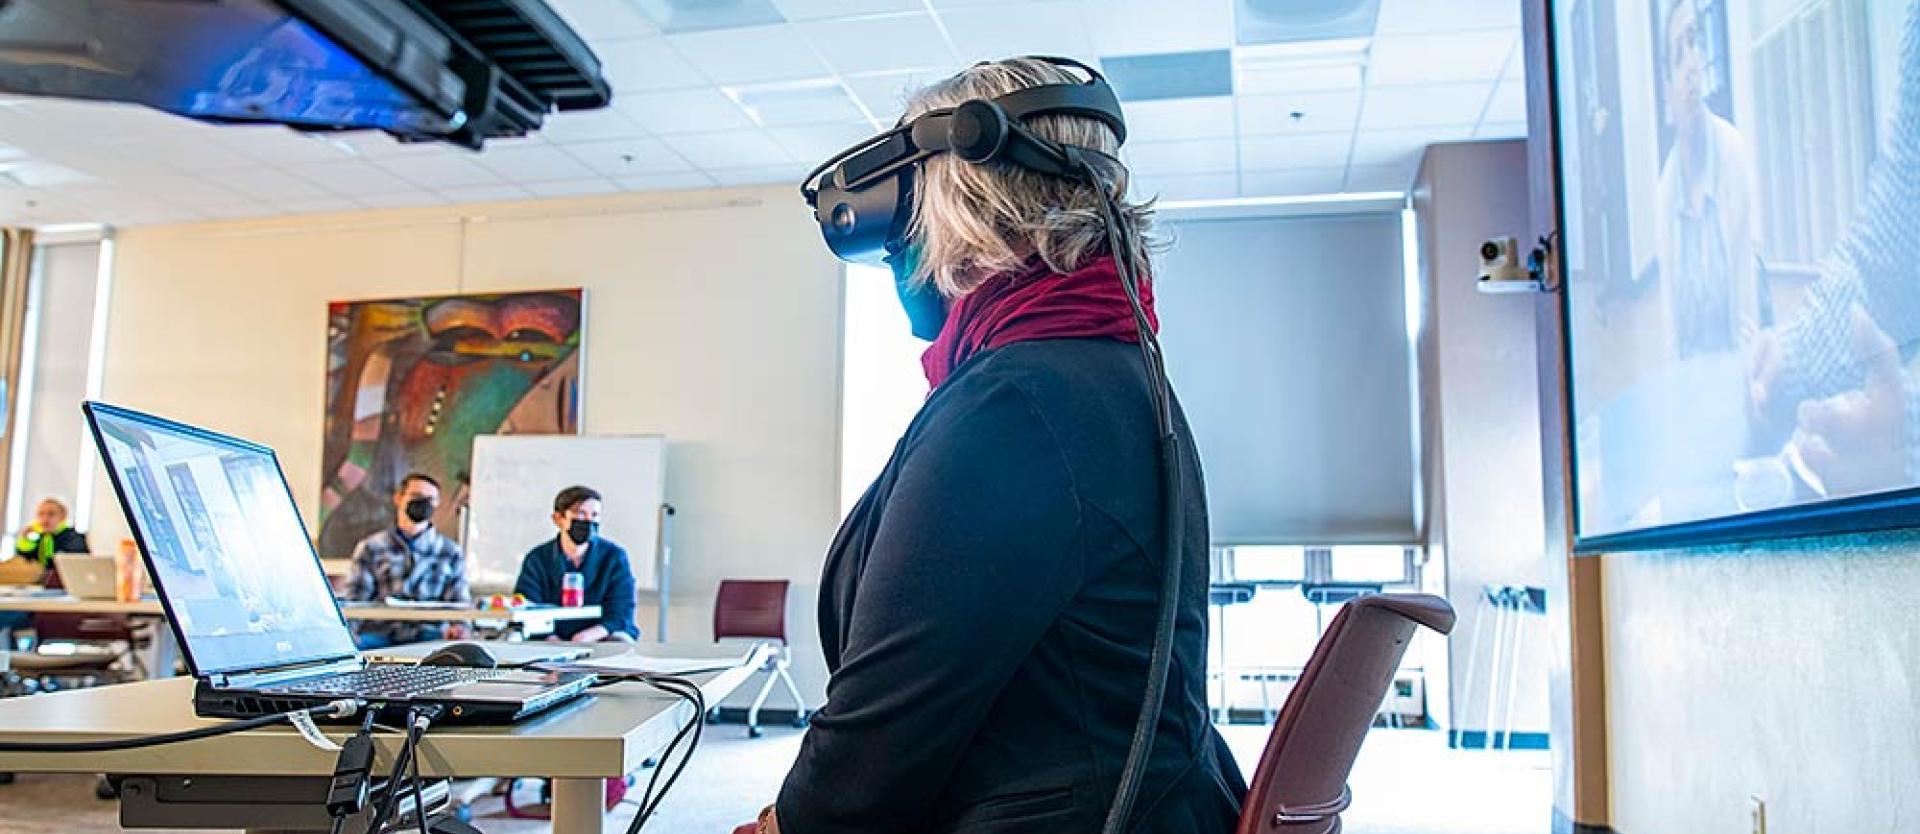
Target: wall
[(713, 318), (1480, 418), (1789, 672)]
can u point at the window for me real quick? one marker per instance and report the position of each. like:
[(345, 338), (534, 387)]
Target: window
[(63, 340), (882, 386)]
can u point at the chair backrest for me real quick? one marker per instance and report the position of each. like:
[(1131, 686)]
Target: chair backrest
[(1300, 785), (751, 608)]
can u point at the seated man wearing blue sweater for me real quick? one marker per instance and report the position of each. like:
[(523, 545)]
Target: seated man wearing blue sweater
[(602, 565)]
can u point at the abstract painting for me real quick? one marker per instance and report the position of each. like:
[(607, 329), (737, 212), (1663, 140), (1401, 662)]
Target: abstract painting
[(411, 382)]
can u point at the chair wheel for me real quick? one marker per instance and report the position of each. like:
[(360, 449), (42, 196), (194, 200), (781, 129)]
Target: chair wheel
[(800, 720), (754, 732), (106, 789)]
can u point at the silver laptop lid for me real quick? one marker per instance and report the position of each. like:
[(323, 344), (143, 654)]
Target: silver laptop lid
[(228, 553)]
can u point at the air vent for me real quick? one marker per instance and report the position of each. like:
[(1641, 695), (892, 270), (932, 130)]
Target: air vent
[(1292, 21)]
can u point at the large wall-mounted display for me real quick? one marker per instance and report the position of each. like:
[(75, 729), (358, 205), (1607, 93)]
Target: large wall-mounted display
[(411, 382), (1740, 223)]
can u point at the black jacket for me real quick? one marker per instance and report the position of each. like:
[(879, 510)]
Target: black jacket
[(987, 612)]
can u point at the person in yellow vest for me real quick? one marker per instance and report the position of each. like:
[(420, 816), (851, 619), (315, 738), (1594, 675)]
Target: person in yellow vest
[(49, 533)]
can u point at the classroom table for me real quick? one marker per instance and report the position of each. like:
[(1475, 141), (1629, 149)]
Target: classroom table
[(607, 734), (530, 621)]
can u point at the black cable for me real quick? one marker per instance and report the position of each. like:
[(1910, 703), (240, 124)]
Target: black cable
[(1120, 246), (419, 794), (687, 691), (417, 721), (333, 709)]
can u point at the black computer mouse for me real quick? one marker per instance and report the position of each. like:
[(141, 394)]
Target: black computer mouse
[(461, 654)]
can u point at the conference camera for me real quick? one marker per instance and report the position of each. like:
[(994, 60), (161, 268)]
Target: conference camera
[(1503, 269)]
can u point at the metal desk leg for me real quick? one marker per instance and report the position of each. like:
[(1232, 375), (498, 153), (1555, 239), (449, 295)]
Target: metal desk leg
[(579, 806)]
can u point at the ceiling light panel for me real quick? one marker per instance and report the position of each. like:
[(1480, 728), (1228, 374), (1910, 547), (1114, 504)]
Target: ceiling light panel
[(1170, 75), (1294, 21), (819, 101), (676, 16)]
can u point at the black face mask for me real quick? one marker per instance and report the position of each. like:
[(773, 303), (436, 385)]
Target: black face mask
[(582, 531), (420, 509), (926, 307)]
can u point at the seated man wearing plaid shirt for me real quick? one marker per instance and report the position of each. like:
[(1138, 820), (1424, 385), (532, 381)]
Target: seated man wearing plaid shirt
[(409, 561)]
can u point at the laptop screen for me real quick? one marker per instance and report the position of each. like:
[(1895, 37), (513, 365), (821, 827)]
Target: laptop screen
[(223, 542)]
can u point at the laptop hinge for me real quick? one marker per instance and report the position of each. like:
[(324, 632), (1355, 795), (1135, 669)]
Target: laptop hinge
[(268, 677)]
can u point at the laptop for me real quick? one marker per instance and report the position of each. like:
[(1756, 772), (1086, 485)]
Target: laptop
[(244, 591), (87, 577)]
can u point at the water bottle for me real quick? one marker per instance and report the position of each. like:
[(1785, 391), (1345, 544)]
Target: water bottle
[(573, 590)]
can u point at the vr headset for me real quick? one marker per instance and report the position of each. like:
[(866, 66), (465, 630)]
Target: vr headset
[(863, 196)]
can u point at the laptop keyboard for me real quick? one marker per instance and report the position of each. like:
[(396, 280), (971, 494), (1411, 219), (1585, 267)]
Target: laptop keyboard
[(391, 682)]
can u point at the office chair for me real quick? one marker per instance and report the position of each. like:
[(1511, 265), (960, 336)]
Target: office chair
[(757, 609), (1300, 785)]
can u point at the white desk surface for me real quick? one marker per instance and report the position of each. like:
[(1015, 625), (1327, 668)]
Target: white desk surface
[(608, 733), (353, 611)]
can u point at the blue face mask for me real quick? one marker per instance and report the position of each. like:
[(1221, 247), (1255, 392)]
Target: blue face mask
[(926, 308)]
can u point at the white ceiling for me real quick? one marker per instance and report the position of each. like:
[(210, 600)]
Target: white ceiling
[(1434, 70)]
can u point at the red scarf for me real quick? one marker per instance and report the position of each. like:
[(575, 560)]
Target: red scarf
[(1034, 302)]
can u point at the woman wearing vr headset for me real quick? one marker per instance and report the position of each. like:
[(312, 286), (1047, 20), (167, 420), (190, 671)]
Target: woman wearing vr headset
[(988, 609)]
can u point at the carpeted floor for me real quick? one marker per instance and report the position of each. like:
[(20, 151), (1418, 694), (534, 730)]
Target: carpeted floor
[(1407, 782)]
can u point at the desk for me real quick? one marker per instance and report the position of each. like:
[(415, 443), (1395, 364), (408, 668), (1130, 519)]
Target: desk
[(533, 621), (605, 735)]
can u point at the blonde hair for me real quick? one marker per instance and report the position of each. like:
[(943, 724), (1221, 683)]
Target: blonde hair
[(973, 221)]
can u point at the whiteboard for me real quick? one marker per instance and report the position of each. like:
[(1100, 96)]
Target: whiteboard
[(516, 476)]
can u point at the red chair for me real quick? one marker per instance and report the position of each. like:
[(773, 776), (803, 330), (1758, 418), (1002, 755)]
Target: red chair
[(1300, 785), (757, 609)]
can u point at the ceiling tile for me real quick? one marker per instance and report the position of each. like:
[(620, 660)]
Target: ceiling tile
[(591, 125), (1038, 28), (744, 56), (1293, 181), (485, 194), (771, 175), (1184, 187), (880, 44), (1321, 112), (1304, 150), (1501, 130), (1265, 80), (190, 155), (600, 19), (277, 145), (730, 149), (234, 211), (1440, 59), (1388, 108), (35, 173), (271, 185), (1398, 177), (1401, 147), (674, 16), (317, 205), (665, 182), (1509, 103), (402, 199), (828, 9), (531, 164), (644, 65), (350, 177), (684, 111), (185, 190), (1131, 27), (1197, 156), (448, 169), (1175, 119), (571, 188), (1400, 16), (629, 157), (885, 95), (814, 144)]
